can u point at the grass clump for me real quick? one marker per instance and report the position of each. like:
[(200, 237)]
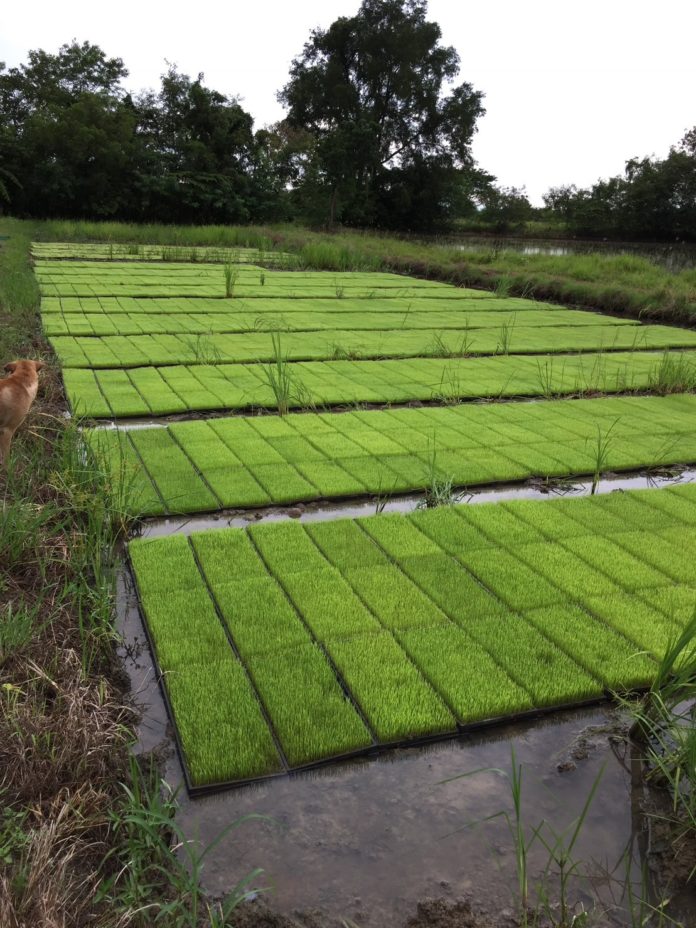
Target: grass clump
[(675, 373)]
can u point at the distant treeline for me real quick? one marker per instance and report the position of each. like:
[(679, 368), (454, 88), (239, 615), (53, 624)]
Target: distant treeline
[(375, 135)]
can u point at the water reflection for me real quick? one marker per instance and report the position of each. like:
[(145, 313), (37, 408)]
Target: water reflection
[(674, 257)]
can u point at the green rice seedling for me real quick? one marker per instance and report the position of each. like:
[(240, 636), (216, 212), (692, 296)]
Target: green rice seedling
[(449, 585), (394, 599), (278, 376), (340, 292), (623, 568), (596, 647), (499, 524), (286, 548), (231, 278), (344, 544), (220, 722), (600, 451), (511, 580), (634, 619), (308, 709), (258, 614), (327, 603), (463, 673), (397, 537), (262, 278), (505, 337), (532, 660), (450, 532), (228, 554), (675, 373), (395, 698)]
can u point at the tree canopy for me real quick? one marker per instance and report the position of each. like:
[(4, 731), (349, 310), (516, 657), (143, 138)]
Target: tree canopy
[(377, 133), (391, 147), (655, 199)]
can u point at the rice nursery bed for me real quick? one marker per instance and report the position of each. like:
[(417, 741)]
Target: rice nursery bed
[(286, 645), (255, 461), (174, 335), (93, 251), (160, 391), (215, 348)]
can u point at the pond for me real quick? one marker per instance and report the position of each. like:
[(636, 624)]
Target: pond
[(673, 256)]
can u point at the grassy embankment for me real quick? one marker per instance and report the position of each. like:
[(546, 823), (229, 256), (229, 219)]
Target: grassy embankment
[(85, 832), (622, 284)]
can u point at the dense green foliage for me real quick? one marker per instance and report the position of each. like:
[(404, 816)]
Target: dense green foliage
[(74, 143), (376, 142), (376, 134), (391, 627), (388, 147), (654, 200)]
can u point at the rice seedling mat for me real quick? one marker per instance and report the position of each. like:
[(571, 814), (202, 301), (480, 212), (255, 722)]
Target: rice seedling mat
[(286, 645), (240, 462)]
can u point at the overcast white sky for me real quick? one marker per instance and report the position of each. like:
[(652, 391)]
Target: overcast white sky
[(573, 89)]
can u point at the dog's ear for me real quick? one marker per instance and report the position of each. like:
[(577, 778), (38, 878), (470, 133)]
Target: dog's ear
[(39, 365), (11, 367)]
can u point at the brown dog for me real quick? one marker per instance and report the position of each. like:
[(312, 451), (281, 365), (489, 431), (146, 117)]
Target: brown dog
[(17, 393)]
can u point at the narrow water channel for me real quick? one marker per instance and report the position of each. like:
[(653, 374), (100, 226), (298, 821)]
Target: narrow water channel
[(356, 508)]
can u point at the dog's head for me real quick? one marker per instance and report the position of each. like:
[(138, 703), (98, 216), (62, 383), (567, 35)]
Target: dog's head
[(14, 366)]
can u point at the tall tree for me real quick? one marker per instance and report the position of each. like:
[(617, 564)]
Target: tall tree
[(199, 152), (67, 133), (371, 91)]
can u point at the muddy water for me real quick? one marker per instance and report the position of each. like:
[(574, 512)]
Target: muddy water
[(367, 840), (356, 508)]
